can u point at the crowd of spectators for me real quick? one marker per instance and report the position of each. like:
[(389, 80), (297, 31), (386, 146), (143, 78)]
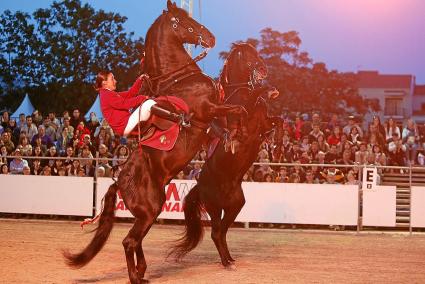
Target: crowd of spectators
[(71, 142), (307, 139)]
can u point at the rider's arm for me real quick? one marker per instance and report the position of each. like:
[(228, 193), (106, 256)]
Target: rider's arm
[(134, 89), (117, 101)]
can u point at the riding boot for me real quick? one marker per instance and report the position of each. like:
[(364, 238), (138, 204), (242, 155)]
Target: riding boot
[(166, 114), (216, 130)]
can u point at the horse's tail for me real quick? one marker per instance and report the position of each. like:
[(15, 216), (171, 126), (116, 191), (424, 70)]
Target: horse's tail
[(194, 231), (104, 228)]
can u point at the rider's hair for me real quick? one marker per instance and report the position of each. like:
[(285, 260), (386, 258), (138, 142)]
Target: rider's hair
[(101, 76)]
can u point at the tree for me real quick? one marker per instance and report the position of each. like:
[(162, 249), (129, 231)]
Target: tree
[(304, 85), (55, 54)]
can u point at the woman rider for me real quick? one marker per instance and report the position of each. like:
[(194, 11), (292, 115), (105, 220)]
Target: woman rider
[(124, 110)]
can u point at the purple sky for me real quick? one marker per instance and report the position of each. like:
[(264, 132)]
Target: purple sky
[(348, 35)]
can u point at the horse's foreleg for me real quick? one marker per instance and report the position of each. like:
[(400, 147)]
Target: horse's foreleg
[(226, 109), (215, 215)]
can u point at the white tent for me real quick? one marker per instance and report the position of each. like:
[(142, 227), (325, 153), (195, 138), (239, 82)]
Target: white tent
[(26, 107), (96, 109)]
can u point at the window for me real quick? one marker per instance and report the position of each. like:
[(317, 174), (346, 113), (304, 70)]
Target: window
[(394, 106)]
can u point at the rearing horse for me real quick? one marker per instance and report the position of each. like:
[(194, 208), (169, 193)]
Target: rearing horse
[(147, 170), (219, 190)]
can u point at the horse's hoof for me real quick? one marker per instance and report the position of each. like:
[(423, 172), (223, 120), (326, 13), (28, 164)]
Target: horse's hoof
[(231, 266)]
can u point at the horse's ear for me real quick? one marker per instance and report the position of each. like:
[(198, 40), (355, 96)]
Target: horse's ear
[(171, 6)]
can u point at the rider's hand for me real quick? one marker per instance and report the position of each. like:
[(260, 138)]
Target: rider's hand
[(144, 76)]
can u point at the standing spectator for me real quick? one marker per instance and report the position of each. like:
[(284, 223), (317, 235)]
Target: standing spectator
[(30, 128), (21, 121), (92, 123), (37, 118), (17, 164), (410, 137), (390, 128), (6, 138), (50, 129), (76, 118), (4, 119)]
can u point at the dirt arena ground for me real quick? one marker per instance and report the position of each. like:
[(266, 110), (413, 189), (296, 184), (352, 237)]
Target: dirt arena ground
[(30, 253)]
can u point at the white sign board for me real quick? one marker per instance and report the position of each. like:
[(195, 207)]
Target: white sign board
[(418, 206), (379, 206), (370, 177), (46, 195)]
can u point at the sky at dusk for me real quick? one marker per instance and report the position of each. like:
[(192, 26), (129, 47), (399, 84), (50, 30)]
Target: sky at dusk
[(348, 35)]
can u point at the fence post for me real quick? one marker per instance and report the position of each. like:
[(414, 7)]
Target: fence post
[(96, 164), (359, 215), (410, 199)]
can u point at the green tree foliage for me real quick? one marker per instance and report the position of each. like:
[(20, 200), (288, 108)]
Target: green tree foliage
[(304, 85), (55, 53)]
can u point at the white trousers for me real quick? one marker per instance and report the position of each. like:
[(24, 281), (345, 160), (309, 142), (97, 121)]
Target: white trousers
[(141, 113)]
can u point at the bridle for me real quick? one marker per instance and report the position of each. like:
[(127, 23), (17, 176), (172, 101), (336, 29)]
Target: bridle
[(254, 79)]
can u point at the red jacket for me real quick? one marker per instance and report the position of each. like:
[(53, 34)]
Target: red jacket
[(116, 105)]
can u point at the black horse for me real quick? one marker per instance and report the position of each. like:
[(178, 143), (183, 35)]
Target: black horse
[(147, 170), (219, 187)]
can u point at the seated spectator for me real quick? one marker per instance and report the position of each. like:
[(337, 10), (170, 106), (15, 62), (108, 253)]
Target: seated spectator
[(36, 168), (100, 171), (390, 128), (104, 151), (282, 175), (332, 156), (26, 171), (296, 151), (352, 123), (4, 119), (305, 145), (410, 137), (333, 176), (3, 155), (323, 145), (314, 134), (50, 128), (44, 139), (294, 178), (181, 175), (314, 150), (87, 162), (107, 165), (361, 154), (380, 157), (286, 150), (268, 178), (334, 121), (51, 153), (345, 160), (4, 169), (310, 177), (396, 152), (16, 166), (352, 178), (69, 156), (61, 171), (25, 146), (354, 136), (121, 155), (74, 168), (58, 164), (299, 170), (47, 171), (195, 172), (335, 137)]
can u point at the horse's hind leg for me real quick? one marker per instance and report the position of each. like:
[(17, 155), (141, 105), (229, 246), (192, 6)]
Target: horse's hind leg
[(229, 217), (216, 235)]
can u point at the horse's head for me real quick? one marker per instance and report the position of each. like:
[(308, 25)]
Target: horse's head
[(243, 65), (187, 29)]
